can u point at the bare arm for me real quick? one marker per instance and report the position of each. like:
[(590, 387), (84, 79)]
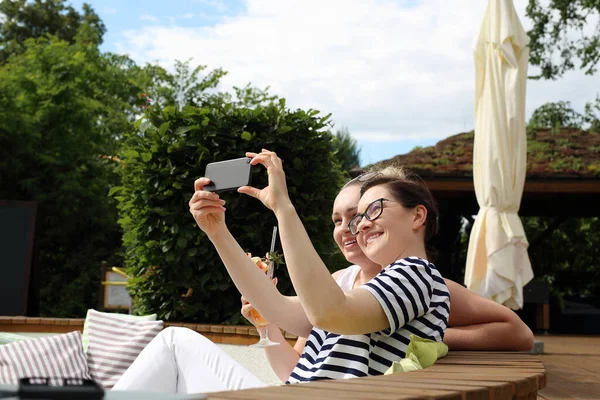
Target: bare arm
[(326, 305), (287, 312), (477, 323), (283, 358)]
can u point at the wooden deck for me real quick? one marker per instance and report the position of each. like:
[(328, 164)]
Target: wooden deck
[(459, 376), (573, 367)]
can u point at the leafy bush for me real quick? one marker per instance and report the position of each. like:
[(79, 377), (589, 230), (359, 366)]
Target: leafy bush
[(166, 253)]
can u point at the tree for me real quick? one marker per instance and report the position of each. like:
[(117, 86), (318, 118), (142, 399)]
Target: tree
[(559, 36), (592, 115), (195, 87), (565, 254), (63, 108), (555, 116), (25, 19), (346, 149), (185, 86)]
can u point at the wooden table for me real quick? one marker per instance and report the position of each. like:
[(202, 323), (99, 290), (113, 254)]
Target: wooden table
[(459, 376)]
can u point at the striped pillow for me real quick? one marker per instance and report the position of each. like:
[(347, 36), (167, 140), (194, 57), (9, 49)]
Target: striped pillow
[(59, 356), (85, 336), (115, 343)]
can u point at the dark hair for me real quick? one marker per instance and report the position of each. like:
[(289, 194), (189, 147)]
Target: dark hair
[(411, 192)]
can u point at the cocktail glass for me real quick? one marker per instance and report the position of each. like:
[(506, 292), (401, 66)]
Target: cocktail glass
[(267, 266)]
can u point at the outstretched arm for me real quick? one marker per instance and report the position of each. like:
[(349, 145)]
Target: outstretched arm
[(477, 323), (287, 312), (326, 305)]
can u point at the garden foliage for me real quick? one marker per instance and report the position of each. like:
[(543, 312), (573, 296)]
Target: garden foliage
[(165, 252)]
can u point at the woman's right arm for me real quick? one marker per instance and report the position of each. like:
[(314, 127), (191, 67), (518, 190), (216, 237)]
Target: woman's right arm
[(283, 358)]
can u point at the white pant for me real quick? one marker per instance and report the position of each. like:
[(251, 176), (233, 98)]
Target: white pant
[(179, 360)]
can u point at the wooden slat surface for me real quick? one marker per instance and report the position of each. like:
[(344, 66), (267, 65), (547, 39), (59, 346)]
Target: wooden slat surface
[(573, 367), (305, 391), (459, 376)]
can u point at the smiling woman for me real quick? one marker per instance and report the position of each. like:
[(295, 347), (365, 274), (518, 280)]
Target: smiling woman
[(411, 219)]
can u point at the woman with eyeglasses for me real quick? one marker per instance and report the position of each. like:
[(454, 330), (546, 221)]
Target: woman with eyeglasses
[(357, 322)]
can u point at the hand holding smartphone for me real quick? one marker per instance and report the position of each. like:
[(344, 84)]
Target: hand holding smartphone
[(228, 175)]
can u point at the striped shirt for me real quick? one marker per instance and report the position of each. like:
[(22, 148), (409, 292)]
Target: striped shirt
[(415, 300)]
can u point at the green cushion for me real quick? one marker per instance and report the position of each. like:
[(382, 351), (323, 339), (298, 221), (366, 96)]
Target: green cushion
[(420, 353), (407, 364), (85, 336), (426, 350), (7, 337)]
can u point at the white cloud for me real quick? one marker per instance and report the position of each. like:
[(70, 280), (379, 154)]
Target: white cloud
[(387, 70), (147, 17), (173, 20)]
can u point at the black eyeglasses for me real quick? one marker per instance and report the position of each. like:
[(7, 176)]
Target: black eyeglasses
[(373, 211)]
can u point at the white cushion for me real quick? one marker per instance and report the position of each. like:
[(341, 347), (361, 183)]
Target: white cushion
[(114, 343)]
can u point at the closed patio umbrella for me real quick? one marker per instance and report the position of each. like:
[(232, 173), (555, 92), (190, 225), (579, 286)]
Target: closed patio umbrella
[(498, 265)]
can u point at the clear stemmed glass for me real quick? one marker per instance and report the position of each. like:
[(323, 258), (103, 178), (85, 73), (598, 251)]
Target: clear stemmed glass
[(261, 323)]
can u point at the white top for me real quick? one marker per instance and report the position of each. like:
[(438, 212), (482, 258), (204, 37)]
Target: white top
[(346, 279), (416, 301)]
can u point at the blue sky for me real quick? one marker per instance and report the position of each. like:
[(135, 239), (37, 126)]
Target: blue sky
[(396, 73), (122, 15)]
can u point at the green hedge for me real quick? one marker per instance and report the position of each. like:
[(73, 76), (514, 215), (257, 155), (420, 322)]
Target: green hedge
[(166, 252)]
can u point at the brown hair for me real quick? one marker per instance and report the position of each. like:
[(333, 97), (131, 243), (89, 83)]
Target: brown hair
[(410, 191), (375, 172)]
